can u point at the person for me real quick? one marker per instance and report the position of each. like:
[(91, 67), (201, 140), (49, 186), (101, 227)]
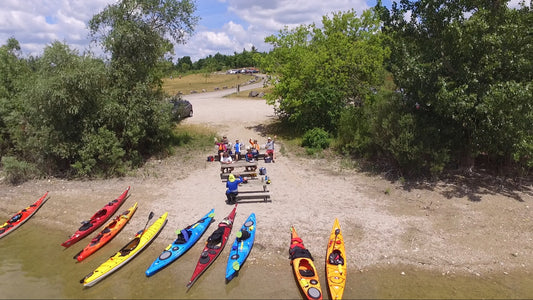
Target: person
[(237, 148), (226, 159), (249, 155), (221, 147), (232, 186), (269, 146), (225, 140), (255, 148)]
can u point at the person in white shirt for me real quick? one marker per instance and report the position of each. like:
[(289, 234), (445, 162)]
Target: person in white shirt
[(226, 159), (269, 146)]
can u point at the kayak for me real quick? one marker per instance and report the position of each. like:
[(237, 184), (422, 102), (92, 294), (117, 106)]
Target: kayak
[(129, 251), (107, 234), (213, 246), (241, 248), (22, 216), (304, 268), (187, 237), (97, 220), (335, 262)]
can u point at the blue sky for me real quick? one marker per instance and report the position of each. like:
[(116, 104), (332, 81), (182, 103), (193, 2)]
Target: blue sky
[(225, 26)]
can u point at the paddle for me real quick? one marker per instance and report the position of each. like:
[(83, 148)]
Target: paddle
[(150, 216), (337, 231)]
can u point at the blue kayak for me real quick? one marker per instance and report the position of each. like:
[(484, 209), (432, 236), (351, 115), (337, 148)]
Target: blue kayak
[(241, 248), (187, 237)]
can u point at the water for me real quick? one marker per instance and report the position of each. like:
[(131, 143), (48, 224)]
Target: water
[(33, 264)]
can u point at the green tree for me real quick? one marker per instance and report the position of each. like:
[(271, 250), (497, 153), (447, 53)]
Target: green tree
[(59, 104), (321, 71), (138, 34), (12, 70), (184, 64), (465, 70)]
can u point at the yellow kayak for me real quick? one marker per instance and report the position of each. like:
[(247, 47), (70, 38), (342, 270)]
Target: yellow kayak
[(336, 262), (304, 268), (134, 247)]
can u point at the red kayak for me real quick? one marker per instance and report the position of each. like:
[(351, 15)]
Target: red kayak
[(107, 234), (21, 217), (214, 246), (97, 220)]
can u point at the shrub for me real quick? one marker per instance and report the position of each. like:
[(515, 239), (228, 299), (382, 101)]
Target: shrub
[(316, 138), (17, 171), (101, 156)]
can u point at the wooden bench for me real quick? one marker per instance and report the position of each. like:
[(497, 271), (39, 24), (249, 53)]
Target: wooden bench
[(249, 195), (248, 166)]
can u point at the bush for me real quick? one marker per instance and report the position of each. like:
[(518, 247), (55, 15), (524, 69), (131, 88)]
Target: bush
[(316, 138), (101, 156), (17, 171)]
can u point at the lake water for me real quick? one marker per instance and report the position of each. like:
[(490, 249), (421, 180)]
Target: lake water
[(33, 264)]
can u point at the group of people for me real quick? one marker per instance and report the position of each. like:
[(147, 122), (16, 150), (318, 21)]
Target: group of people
[(225, 150), (252, 153)]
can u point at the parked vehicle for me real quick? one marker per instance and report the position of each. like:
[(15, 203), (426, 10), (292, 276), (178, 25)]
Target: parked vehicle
[(181, 109)]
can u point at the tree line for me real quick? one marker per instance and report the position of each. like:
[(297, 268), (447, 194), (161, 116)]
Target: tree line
[(217, 62)]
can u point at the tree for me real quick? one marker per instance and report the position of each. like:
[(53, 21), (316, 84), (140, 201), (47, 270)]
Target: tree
[(137, 33), (184, 64), (58, 105), (465, 70), (320, 71), (12, 70)]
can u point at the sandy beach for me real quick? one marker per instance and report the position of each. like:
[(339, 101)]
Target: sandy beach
[(475, 226)]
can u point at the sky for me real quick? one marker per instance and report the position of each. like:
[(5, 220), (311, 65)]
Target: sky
[(225, 26)]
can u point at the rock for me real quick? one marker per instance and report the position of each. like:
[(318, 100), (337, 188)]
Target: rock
[(253, 94)]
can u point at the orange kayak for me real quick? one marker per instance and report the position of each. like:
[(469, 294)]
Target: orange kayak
[(22, 216), (304, 268), (107, 234), (336, 262), (97, 220)]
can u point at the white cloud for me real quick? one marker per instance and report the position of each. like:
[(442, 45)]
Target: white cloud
[(261, 19), (37, 23)]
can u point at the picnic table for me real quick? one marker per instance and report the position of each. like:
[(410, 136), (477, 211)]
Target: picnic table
[(262, 195), (248, 166)]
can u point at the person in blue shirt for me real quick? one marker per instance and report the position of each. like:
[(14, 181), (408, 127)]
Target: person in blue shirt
[(232, 186), (237, 148)]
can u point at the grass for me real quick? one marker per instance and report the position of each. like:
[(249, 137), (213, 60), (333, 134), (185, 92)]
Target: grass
[(244, 94), (200, 82), (194, 137)]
